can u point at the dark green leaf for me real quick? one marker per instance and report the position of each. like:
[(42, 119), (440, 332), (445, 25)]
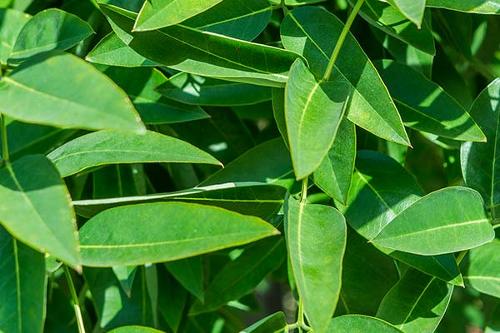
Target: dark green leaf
[(271, 324), (360, 324)]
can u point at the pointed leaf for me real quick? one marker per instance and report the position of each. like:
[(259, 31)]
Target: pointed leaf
[(109, 147), (313, 111), (425, 229), (412, 9), (370, 107), (11, 23), (417, 303), (38, 92), (139, 234), (32, 191), (271, 324), (157, 14), (189, 273), (316, 238), (51, 29), (24, 283)]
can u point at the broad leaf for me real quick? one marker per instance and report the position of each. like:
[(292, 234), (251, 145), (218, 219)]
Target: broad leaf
[(24, 284), (32, 191), (51, 29), (272, 323), (417, 303), (204, 53), (110, 147), (38, 92), (360, 324), (313, 111), (334, 174), (467, 6), (140, 84), (242, 275), (480, 165), (413, 9), (316, 239), (426, 106), (483, 269), (135, 329), (425, 229), (139, 234), (157, 14), (197, 90), (370, 107), (11, 21)]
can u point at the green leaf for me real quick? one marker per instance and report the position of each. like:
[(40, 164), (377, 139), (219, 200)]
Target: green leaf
[(172, 299), (479, 161), (242, 19), (197, 90), (156, 14), (391, 21), (31, 191), (417, 303), (483, 269), (207, 54), (413, 10), (273, 323), (51, 29), (316, 238), (189, 273), (139, 234), (426, 106), (334, 174), (135, 329), (313, 111), (126, 277), (140, 84), (360, 324), (370, 107), (110, 147), (38, 92), (111, 50), (242, 275), (24, 285), (424, 229), (11, 23), (467, 6)]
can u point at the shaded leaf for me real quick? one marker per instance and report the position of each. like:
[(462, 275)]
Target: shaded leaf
[(273, 323), (483, 269)]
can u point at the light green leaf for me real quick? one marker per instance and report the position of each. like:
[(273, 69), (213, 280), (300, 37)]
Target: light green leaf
[(480, 163), (207, 54), (313, 111), (425, 229), (110, 147), (51, 29), (139, 234), (370, 107), (417, 303), (38, 92), (189, 273), (242, 275), (126, 277), (32, 191), (334, 174), (11, 23), (197, 90), (316, 239), (273, 323), (140, 84), (111, 50), (413, 10), (135, 329), (360, 324), (468, 6), (483, 268), (24, 283), (426, 106), (156, 14)]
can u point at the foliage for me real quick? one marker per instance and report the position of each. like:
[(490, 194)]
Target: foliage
[(249, 166)]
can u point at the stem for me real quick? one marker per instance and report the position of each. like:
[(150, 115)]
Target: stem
[(303, 193), (75, 300), (340, 41), (300, 315), (5, 145)]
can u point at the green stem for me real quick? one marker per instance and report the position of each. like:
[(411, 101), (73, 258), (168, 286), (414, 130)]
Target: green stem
[(5, 145), (300, 315), (75, 300), (340, 41), (303, 193)]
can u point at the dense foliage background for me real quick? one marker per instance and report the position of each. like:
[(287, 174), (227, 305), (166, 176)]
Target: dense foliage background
[(206, 166)]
